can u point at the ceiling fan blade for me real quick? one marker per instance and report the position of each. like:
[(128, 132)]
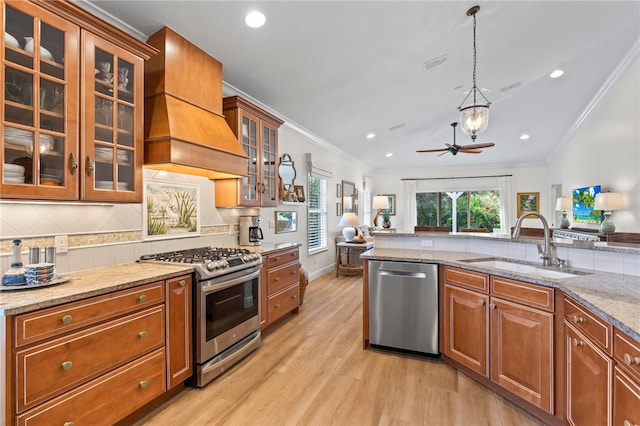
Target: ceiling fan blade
[(479, 145), (471, 151), (432, 150), (446, 151)]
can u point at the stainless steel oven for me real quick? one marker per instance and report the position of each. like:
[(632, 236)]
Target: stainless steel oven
[(227, 322), (226, 306)]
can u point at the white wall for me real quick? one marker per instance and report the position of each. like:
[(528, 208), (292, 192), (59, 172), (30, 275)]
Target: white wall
[(605, 150)]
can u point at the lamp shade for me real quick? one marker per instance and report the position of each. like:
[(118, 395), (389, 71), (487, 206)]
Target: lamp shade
[(564, 204), (609, 201), (348, 219), (380, 202)]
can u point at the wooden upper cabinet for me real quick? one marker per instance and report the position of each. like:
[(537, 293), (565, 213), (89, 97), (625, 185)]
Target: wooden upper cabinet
[(257, 131), (72, 107), (40, 64)]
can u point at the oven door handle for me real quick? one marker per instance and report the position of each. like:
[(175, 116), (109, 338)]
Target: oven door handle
[(227, 284)]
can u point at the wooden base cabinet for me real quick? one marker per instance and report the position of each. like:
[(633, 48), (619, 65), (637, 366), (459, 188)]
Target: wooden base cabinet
[(280, 287), (98, 360), (503, 330)]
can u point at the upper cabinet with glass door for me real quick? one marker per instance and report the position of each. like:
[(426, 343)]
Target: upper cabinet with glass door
[(40, 104)]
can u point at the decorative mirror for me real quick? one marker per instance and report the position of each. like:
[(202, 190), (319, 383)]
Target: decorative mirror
[(349, 197), (286, 171), (286, 222)]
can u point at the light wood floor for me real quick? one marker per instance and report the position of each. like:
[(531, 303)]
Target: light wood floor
[(312, 370)]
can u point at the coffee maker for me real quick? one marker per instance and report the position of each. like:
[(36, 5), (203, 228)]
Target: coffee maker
[(250, 232)]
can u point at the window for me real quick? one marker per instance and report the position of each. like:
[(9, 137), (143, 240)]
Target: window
[(474, 209), (317, 214)]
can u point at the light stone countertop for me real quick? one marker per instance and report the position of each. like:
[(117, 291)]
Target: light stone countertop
[(271, 248), (614, 297), (88, 283)]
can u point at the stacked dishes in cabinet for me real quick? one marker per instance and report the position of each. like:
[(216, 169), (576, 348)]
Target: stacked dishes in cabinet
[(25, 138), (13, 173)]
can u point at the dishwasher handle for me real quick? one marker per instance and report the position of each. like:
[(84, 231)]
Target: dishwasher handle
[(407, 274)]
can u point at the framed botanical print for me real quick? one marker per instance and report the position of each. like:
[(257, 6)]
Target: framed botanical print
[(528, 202)]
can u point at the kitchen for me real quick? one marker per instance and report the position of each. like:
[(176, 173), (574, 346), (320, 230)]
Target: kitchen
[(92, 227)]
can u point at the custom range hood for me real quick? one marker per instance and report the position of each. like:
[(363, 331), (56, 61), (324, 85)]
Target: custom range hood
[(185, 130)]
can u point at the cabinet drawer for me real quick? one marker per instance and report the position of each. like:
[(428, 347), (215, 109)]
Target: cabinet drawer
[(469, 279), (119, 393), (626, 399), (282, 277), (283, 303), (49, 369), (281, 258), (595, 328), (527, 294), (626, 351), (35, 326)]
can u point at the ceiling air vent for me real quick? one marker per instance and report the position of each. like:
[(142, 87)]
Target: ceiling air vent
[(435, 62), (396, 127), (511, 86)]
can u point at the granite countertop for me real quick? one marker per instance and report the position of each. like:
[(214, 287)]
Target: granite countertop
[(272, 248), (92, 282), (614, 297)]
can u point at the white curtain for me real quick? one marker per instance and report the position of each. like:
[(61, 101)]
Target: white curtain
[(506, 207), (409, 208)]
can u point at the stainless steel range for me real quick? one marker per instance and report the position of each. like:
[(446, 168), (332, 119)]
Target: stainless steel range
[(226, 306)]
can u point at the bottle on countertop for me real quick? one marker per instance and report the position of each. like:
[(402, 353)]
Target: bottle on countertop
[(15, 274)]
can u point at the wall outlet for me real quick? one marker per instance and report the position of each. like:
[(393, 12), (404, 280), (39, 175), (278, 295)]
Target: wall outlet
[(271, 223), (61, 242), (426, 243)]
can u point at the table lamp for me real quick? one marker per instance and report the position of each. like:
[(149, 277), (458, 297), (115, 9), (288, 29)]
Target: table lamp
[(348, 220), (379, 202), (607, 202), (563, 204)]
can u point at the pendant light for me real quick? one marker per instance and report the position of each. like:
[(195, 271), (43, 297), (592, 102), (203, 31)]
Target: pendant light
[(474, 109)]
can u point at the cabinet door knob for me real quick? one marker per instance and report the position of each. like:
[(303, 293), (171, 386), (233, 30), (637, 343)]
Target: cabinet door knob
[(67, 424), (293, 272), (481, 302), (142, 298), (631, 360), (142, 334), (66, 365), (182, 283), (628, 423), (277, 279), (73, 163), (66, 319), (294, 296), (143, 384), (578, 343), (276, 258), (277, 305), (89, 166), (492, 306), (578, 320)]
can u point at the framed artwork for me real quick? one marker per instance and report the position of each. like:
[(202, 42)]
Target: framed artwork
[(172, 210), (338, 209), (286, 221), (299, 190), (338, 190), (392, 203), (528, 202)]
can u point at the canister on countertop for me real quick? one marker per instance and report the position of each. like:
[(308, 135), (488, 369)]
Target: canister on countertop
[(34, 255), (50, 254)]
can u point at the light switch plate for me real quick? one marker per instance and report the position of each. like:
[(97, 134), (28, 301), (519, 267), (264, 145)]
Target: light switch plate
[(426, 243), (61, 242)]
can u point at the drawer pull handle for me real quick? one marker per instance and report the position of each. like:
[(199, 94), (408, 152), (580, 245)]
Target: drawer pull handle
[(68, 424), (628, 423), (277, 305), (182, 283), (142, 298), (142, 334), (631, 360), (277, 279), (577, 343), (294, 296), (294, 272), (67, 365), (481, 302), (276, 258), (67, 319), (143, 384), (492, 305), (578, 320)]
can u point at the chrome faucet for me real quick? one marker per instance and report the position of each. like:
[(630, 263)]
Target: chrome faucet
[(546, 256)]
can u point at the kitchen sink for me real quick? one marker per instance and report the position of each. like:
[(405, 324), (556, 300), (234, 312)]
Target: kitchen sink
[(523, 268)]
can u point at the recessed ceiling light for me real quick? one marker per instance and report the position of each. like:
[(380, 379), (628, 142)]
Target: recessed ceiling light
[(556, 73), (524, 136), (255, 19), (389, 154), (371, 135)]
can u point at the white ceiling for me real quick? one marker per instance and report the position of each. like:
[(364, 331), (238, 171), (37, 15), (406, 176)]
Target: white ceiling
[(342, 69)]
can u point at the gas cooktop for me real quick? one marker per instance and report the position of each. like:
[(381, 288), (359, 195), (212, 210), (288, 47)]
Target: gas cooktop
[(209, 262)]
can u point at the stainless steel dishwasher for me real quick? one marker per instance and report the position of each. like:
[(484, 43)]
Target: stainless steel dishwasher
[(403, 306)]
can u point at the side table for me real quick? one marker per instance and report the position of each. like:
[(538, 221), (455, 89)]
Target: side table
[(349, 250)]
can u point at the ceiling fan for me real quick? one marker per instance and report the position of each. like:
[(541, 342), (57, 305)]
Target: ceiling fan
[(474, 148)]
